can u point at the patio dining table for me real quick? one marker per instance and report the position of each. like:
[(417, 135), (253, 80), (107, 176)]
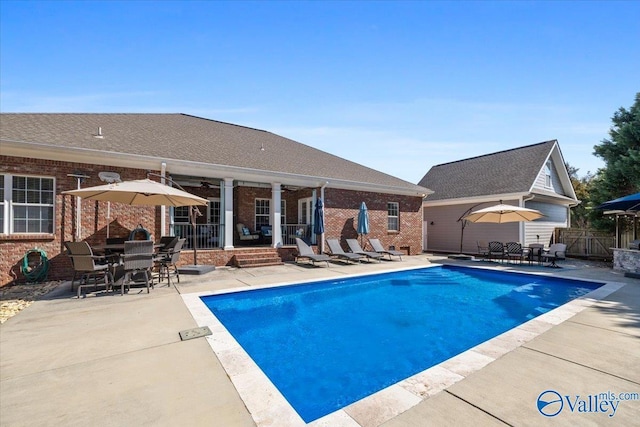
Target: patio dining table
[(116, 247), (116, 251)]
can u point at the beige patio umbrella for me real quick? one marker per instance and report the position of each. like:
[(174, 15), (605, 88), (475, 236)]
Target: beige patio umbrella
[(144, 192), (503, 213), (139, 192)]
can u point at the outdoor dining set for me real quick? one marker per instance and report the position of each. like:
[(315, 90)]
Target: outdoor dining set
[(514, 251), (123, 263)]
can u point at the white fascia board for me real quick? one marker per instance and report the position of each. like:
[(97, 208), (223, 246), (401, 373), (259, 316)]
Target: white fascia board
[(477, 199), (558, 161), (184, 167)]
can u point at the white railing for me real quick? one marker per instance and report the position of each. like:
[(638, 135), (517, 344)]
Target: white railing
[(208, 236), (291, 231)]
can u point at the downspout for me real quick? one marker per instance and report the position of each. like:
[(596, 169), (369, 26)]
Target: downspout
[(321, 249), (521, 238), (163, 209)]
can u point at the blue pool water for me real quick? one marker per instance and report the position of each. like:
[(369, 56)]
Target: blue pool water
[(328, 344)]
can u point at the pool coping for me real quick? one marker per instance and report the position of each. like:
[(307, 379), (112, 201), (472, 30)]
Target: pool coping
[(268, 406)]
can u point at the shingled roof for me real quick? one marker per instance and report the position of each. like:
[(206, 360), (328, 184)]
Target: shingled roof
[(192, 139), (505, 172)]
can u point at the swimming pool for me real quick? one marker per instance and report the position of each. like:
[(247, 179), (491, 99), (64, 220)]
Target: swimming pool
[(327, 344)]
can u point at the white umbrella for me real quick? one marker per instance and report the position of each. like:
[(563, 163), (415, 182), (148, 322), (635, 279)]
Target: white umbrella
[(139, 192), (503, 213)]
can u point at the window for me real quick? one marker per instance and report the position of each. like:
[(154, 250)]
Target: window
[(213, 216), (393, 216), (263, 211), (181, 214), (547, 174), (27, 204), (305, 210)]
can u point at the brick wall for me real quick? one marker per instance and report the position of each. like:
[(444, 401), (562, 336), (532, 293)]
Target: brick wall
[(93, 226), (341, 212), (341, 218)]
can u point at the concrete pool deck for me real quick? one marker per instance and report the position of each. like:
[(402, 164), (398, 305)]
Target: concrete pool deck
[(118, 360)]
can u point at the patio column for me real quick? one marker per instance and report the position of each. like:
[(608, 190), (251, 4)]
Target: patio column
[(276, 218), (163, 208), (226, 191)]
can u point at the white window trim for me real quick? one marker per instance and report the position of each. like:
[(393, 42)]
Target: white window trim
[(548, 175), (174, 216), (397, 204), (309, 219), (256, 215), (283, 210), (213, 199), (8, 204)]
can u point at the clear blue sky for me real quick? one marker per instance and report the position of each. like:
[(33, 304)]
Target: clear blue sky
[(396, 86)]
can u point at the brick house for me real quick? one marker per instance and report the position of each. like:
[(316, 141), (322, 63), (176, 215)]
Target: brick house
[(250, 177)]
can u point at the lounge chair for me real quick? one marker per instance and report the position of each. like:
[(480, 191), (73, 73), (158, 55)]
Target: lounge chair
[(305, 252), (337, 251), (355, 247), (377, 247), (556, 252)]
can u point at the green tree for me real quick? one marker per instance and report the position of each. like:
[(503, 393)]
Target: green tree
[(621, 154), (581, 186)]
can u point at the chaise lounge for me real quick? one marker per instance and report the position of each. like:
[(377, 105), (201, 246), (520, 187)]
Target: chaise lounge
[(377, 247), (337, 251), (305, 252), (355, 247)]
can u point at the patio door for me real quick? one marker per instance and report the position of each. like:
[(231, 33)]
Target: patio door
[(305, 210), (215, 230)]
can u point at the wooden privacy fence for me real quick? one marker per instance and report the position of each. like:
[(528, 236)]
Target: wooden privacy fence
[(584, 243)]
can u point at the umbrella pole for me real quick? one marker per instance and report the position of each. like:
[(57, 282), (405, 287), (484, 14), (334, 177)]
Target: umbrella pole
[(193, 236)]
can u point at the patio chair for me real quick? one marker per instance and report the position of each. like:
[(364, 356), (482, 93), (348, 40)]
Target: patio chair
[(244, 234), (556, 252), (166, 244), (167, 260), (338, 252), (88, 266), (496, 250), (266, 234), (513, 250), (113, 255), (355, 247), (305, 252), (377, 247), (137, 260), (483, 248)]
